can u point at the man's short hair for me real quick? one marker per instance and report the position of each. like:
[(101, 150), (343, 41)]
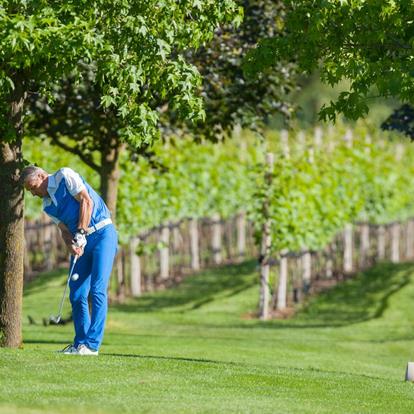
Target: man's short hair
[(30, 172)]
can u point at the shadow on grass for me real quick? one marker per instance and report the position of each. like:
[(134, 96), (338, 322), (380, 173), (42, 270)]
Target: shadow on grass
[(197, 360), (297, 371), (361, 298), (197, 290)]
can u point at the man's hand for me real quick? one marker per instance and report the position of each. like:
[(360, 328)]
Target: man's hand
[(75, 251), (69, 241), (79, 240)]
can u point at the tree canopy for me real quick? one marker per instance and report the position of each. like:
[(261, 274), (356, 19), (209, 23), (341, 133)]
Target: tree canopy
[(134, 50), (230, 97), (370, 43)]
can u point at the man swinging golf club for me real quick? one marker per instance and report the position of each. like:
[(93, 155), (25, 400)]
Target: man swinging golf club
[(86, 227)]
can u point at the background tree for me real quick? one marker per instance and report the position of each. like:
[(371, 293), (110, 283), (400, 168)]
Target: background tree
[(368, 43), (401, 120), (129, 44), (230, 97)]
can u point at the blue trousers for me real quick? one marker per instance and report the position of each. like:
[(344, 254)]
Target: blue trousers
[(94, 268)]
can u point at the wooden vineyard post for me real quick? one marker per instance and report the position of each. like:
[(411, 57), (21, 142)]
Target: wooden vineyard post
[(194, 244), (283, 264), (48, 246), (216, 239), (364, 245), (165, 252), (368, 142), (120, 276), (266, 243), (135, 267), (283, 279), (399, 152), (317, 137), (348, 247), (409, 240), (331, 141), (301, 140), (395, 243), (381, 242), (177, 239), (284, 140), (306, 271), (241, 234), (306, 256), (396, 227), (329, 265), (348, 138), (405, 236)]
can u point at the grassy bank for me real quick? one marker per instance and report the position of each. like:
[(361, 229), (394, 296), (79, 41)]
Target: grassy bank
[(193, 349)]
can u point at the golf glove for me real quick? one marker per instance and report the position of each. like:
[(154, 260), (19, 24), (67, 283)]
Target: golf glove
[(79, 240)]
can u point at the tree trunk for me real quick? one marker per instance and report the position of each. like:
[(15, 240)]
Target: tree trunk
[(110, 174), (12, 227)]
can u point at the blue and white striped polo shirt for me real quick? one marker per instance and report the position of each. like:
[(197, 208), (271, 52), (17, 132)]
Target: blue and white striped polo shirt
[(61, 206)]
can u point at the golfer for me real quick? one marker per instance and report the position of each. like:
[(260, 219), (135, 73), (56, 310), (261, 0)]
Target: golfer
[(84, 221)]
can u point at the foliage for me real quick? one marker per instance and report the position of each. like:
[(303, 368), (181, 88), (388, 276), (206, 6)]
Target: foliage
[(231, 98), (134, 50), (320, 188), (197, 180), (315, 192), (369, 43)]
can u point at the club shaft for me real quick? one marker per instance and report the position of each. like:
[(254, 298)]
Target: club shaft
[(66, 288)]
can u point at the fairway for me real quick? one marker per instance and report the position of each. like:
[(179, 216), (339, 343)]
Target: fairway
[(194, 349)]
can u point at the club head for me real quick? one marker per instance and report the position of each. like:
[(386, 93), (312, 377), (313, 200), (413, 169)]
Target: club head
[(54, 320)]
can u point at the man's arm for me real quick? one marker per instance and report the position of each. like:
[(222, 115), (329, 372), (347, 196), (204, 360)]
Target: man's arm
[(77, 189), (85, 209), (68, 238)]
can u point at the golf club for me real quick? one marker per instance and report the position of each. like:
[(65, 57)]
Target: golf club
[(56, 319)]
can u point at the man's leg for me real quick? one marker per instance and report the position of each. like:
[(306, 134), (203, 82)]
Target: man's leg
[(103, 258), (79, 291)]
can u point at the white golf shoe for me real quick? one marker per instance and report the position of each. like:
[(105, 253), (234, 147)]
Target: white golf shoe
[(69, 350), (84, 350)]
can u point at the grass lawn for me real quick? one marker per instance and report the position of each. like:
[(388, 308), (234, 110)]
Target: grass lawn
[(192, 350)]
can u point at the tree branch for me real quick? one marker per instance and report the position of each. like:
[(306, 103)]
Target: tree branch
[(87, 160)]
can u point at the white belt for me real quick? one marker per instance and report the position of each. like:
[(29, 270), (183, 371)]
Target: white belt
[(98, 226)]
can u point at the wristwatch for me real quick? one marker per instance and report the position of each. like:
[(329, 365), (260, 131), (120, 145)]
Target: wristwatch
[(81, 231)]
